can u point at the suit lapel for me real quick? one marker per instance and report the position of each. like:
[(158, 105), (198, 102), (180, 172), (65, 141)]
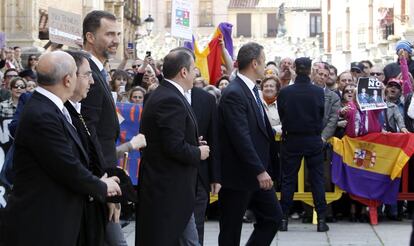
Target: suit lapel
[(254, 105), (102, 81)]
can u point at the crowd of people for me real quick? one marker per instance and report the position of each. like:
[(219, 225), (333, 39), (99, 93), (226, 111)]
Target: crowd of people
[(241, 137)]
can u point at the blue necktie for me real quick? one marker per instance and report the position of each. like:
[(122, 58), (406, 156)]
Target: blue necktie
[(259, 102)]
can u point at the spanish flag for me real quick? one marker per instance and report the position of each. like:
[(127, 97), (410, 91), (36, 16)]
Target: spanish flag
[(370, 166), (209, 59)]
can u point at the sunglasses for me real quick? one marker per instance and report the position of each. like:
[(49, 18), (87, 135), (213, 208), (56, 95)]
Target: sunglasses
[(19, 87), (376, 74), (349, 91), (356, 71), (32, 59)]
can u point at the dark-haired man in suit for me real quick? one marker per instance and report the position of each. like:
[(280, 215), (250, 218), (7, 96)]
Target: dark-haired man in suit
[(246, 141), (101, 39), (51, 182), (168, 173)]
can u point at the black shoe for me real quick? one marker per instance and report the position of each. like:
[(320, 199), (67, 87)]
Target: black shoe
[(322, 226), (283, 225)]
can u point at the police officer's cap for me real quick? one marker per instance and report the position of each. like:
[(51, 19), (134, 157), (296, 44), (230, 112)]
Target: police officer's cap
[(303, 63)]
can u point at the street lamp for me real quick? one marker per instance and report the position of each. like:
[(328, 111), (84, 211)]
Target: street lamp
[(149, 23)]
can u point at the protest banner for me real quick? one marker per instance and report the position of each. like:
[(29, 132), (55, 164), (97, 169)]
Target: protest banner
[(129, 127), (181, 19), (65, 27), (369, 94), (5, 143)]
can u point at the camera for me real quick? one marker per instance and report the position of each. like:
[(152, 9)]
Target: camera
[(148, 53)]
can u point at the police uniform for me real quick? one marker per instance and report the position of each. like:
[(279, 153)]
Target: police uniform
[(301, 111)]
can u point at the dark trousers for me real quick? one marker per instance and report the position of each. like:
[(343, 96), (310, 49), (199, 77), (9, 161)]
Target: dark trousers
[(233, 204), (293, 150), (200, 210)]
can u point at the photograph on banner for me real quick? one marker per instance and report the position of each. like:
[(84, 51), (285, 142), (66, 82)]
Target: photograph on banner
[(65, 27), (369, 94)]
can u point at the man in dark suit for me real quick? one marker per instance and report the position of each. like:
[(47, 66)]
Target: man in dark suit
[(101, 39), (205, 109), (168, 173), (301, 110), (94, 218), (52, 183), (245, 145)]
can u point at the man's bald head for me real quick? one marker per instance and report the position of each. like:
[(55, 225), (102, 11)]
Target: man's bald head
[(54, 66)]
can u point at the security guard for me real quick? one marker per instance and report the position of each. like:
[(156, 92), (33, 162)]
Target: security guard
[(301, 111)]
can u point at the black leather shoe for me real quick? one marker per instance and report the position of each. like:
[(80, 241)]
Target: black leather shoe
[(322, 226), (284, 225)]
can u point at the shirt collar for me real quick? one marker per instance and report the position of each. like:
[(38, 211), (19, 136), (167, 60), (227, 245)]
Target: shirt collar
[(52, 97), (181, 89), (247, 81), (76, 105), (97, 62)]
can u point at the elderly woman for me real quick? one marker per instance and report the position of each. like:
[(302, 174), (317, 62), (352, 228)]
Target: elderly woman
[(270, 87), (8, 107)]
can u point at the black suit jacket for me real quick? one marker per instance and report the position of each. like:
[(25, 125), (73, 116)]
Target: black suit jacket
[(247, 141), (99, 111), (168, 171), (51, 184), (205, 110)]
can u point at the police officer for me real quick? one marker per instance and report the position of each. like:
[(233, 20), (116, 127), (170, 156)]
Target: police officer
[(301, 111)]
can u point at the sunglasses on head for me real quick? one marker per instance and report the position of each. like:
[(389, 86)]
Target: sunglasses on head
[(375, 74)]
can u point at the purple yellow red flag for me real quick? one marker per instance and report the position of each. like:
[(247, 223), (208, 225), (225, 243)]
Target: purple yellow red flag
[(209, 59), (370, 166)]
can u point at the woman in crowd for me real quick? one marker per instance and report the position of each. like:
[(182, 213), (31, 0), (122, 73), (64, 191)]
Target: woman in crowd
[(118, 83), (136, 95), (199, 82), (270, 87), (8, 107), (359, 123), (348, 96), (223, 82), (32, 62)]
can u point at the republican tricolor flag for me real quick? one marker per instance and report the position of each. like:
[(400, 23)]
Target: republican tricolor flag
[(209, 59), (370, 166)]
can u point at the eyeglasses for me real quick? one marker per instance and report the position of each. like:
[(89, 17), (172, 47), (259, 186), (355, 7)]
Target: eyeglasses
[(87, 74), (19, 87), (376, 74)]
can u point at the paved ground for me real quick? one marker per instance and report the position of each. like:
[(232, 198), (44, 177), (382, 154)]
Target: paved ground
[(340, 234)]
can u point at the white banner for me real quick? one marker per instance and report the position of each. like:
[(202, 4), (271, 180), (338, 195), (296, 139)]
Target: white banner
[(181, 19), (65, 27)]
